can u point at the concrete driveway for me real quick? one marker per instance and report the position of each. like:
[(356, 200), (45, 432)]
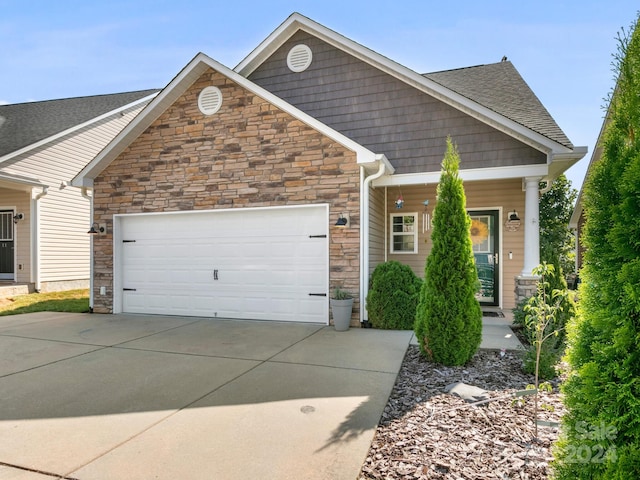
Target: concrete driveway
[(138, 397)]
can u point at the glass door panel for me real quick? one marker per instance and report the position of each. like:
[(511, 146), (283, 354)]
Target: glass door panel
[(484, 238)]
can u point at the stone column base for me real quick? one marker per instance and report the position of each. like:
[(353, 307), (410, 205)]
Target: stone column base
[(525, 287)]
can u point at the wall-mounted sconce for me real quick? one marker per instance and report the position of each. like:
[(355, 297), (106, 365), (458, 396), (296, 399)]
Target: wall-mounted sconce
[(513, 222), (17, 217), (343, 221), (97, 229)]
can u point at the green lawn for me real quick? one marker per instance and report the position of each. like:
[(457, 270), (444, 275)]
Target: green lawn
[(76, 301)]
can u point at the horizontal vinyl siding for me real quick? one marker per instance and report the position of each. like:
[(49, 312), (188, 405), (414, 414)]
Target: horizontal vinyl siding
[(413, 202), (506, 194), (376, 228), (65, 214), (385, 114)]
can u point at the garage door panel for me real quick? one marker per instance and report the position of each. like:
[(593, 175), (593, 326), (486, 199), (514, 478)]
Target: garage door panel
[(265, 260)]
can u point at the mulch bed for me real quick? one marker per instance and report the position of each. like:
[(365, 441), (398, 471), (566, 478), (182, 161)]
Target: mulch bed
[(425, 433)]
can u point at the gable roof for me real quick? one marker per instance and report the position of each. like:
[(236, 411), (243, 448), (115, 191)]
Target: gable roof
[(536, 128), (501, 88), (189, 74), (26, 124)]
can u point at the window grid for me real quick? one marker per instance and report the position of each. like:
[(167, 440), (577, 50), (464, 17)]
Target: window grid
[(404, 233)]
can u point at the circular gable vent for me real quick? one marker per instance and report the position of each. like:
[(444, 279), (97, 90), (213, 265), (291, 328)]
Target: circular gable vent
[(299, 58), (210, 100)]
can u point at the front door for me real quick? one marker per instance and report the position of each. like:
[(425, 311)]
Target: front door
[(484, 237), (6, 245)]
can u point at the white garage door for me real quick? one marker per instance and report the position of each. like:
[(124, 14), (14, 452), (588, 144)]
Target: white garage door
[(266, 264)]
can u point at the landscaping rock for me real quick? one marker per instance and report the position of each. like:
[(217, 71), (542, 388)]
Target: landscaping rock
[(468, 393)]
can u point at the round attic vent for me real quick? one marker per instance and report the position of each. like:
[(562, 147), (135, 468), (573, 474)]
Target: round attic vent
[(210, 100), (299, 58)]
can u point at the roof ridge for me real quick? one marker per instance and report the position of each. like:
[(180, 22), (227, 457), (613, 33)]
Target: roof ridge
[(460, 68)]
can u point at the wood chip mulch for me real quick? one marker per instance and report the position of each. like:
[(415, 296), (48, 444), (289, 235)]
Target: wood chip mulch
[(425, 433)]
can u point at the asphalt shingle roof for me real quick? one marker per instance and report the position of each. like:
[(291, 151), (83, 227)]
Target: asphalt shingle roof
[(23, 124), (499, 87)]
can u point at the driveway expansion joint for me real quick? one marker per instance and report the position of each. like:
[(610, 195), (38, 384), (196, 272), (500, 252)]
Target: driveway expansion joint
[(33, 470)]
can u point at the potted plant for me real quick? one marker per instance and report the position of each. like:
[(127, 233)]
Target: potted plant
[(341, 306)]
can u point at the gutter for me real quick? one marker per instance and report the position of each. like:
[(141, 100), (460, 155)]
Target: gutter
[(83, 191), (365, 183), (35, 237)]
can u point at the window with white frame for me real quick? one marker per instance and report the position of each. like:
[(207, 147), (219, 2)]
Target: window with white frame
[(404, 233)]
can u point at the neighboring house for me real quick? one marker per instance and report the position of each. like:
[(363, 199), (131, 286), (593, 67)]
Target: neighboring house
[(222, 197), (576, 223), (44, 244)]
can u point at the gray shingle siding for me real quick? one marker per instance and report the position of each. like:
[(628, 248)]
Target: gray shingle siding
[(385, 114)]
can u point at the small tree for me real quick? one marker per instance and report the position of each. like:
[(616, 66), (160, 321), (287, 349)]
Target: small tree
[(555, 287), (542, 321), (448, 319), (393, 296), (556, 240)]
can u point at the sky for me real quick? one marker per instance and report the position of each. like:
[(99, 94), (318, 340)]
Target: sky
[(563, 49)]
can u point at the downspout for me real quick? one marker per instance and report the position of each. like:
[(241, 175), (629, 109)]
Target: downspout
[(386, 225), (83, 191), (365, 182), (35, 238)]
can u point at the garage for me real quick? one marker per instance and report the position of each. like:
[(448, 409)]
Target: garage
[(267, 263)]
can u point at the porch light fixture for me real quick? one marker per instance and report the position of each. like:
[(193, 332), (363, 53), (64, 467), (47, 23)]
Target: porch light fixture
[(513, 222), (97, 229), (343, 221), (17, 217)]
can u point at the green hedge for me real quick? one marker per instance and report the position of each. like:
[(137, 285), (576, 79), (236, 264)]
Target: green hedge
[(393, 296)]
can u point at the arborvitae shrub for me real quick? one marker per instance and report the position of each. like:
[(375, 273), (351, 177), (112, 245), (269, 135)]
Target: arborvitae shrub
[(449, 320), (601, 426), (393, 296)]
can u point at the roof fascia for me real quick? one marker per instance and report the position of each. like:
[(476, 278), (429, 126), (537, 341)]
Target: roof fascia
[(560, 163), (177, 87), (73, 129), (297, 22), (468, 175), (26, 183)]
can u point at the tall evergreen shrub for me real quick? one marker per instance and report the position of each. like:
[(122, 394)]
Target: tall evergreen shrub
[(393, 296), (448, 319), (601, 428)]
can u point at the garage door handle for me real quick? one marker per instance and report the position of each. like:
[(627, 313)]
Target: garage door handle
[(317, 294), (129, 289), (215, 274)]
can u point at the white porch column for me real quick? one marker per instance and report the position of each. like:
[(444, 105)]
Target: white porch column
[(531, 225)]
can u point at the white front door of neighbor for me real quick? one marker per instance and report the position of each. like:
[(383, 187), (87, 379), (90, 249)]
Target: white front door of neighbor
[(262, 263)]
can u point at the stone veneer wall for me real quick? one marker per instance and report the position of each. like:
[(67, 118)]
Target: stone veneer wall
[(525, 287), (249, 154)]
